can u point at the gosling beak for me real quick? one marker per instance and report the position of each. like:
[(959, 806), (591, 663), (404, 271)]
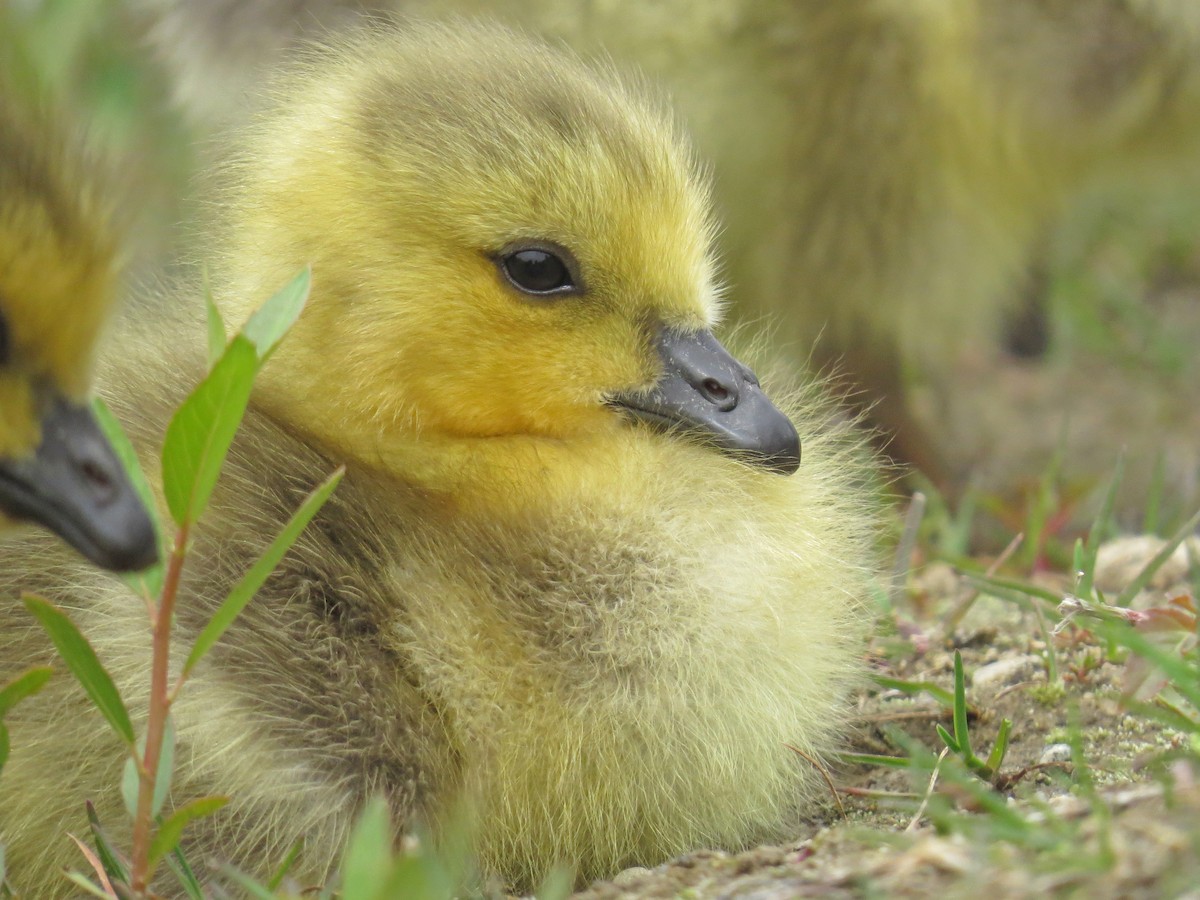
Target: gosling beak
[(75, 486), (706, 392)]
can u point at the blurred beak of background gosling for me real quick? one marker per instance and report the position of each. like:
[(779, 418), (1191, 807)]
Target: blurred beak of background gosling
[(706, 393), (73, 484)]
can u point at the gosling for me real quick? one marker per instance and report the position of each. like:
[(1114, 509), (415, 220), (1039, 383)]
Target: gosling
[(576, 580), (57, 282)]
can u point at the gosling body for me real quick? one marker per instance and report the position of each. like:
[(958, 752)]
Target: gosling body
[(599, 638)]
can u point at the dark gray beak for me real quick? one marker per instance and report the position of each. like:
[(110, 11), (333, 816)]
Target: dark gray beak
[(707, 393), (75, 486)]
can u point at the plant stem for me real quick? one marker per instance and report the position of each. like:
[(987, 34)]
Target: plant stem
[(160, 705)]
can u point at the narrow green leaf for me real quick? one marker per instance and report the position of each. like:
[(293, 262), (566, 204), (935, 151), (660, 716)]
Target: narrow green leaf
[(939, 693), (1099, 530), (961, 735), (131, 781), (245, 589), (109, 858), (1000, 748), (85, 884), (415, 875), (24, 685), (81, 659), (1143, 577), (250, 886), (148, 582), (199, 434), (167, 837), (4, 746), (286, 866), (216, 328), (179, 865), (947, 738), (367, 864), (873, 759), (271, 322)]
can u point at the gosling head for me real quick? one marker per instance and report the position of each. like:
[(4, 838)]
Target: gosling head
[(56, 283), (505, 244)]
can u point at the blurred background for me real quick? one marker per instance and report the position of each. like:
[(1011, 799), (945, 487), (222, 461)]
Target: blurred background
[(983, 216)]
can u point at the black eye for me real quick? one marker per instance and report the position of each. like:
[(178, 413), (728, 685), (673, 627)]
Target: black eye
[(537, 271)]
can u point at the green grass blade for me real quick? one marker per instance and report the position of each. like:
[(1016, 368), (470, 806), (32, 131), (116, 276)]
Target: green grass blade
[(24, 685), (167, 837), (1099, 530), (1013, 591), (1000, 749), (148, 582), (200, 432), (939, 693), (245, 589), (252, 888), (285, 866), (1143, 577), (872, 759), (4, 745), (179, 865), (961, 735), (947, 738), (85, 884), (271, 322), (366, 867), (81, 659), (113, 866)]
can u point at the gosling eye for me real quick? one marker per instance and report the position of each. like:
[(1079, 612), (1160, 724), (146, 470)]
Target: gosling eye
[(540, 271)]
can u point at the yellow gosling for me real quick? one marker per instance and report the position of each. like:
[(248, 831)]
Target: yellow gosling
[(57, 282), (577, 578)]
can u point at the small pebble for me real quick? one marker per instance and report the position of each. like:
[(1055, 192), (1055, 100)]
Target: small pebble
[(1055, 753), (991, 678)]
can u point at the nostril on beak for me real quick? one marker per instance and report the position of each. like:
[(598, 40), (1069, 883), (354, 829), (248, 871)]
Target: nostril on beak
[(99, 478), (718, 394)]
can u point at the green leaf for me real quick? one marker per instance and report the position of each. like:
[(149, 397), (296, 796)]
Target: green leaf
[(216, 328), (249, 885), (148, 582), (109, 858), (4, 748), (1000, 748), (271, 322), (947, 738), (85, 884), (131, 781), (873, 759), (905, 686), (167, 837), (178, 864), (245, 589), (366, 867), (285, 866), (200, 432), (1099, 531), (24, 685), (81, 659), (961, 735)]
